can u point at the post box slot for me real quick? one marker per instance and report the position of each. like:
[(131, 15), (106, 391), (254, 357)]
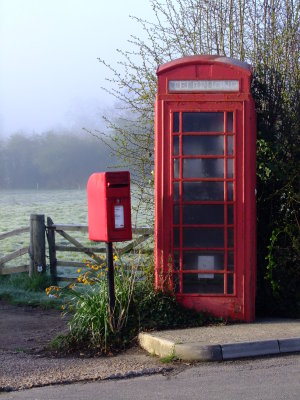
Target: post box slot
[(118, 192), (117, 185)]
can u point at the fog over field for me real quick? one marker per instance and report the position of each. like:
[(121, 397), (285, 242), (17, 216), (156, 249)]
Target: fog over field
[(51, 161)]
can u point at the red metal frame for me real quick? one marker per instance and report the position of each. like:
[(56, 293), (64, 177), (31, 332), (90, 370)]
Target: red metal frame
[(240, 304)]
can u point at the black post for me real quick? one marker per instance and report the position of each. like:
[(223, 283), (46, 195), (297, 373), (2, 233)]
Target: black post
[(110, 280)]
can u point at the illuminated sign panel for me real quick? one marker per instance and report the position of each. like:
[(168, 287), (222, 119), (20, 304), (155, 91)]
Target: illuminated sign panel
[(204, 86)]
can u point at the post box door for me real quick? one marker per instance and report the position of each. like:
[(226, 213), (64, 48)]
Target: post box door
[(205, 192)]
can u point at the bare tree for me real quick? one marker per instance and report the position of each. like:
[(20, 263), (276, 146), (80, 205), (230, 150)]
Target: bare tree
[(264, 33)]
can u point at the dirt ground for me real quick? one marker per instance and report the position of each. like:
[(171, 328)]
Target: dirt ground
[(25, 332), (28, 329)]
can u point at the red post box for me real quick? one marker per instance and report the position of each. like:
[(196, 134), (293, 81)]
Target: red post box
[(109, 212), (205, 174)]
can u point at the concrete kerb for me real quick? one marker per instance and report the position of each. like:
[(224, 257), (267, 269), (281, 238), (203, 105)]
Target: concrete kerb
[(216, 352)]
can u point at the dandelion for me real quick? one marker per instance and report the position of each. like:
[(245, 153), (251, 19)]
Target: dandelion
[(79, 270)]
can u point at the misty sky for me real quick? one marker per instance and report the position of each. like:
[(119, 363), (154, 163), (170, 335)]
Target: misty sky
[(50, 77)]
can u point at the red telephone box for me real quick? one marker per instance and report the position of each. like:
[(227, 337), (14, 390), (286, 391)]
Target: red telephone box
[(205, 177), (109, 212)]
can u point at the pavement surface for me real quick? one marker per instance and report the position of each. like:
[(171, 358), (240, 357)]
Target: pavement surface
[(225, 342)]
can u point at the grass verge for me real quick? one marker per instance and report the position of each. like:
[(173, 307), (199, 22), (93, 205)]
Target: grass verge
[(20, 289)]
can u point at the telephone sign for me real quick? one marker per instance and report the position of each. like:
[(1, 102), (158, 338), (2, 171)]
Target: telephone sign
[(205, 172)]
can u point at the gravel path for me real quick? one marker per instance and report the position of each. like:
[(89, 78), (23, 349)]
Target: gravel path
[(24, 333)]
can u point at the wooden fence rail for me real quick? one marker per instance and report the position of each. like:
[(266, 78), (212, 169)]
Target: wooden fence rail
[(14, 232), (39, 231), (13, 255), (60, 229)]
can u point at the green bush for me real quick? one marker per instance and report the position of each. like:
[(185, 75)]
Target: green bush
[(159, 310)]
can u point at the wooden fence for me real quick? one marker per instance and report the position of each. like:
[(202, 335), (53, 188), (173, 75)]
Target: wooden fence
[(13, 255), (42, 234)]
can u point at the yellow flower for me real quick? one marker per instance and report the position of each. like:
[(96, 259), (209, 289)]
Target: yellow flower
[(115, 258), (79, 270)]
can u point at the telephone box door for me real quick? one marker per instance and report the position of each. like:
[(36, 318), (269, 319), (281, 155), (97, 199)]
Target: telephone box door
[(204, 156)]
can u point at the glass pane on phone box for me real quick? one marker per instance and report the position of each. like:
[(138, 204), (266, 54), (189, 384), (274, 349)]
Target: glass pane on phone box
[(202, 145), (201, 283), (176, 215), (176, 256), (176, 122), (230, 284), (176, 168), (176, 191), (230, 261), (176, 240), (229, 122), (230, 237), (203, 260), (230, 214), (203, 237), (230, 191), (202, 191), (203, 122), (204, 214), (175, 145), (203, 168), (230, 168), (230, 145)]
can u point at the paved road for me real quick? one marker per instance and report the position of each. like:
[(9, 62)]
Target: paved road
[(274, 378)]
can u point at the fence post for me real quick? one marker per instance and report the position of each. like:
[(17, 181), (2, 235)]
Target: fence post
[(52, 250), (37, 244)]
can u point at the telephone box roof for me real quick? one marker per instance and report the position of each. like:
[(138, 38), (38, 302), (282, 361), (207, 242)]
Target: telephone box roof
[(204, 59)]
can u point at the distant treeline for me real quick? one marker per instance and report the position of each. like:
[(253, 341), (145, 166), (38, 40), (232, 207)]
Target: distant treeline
[(51, 160)]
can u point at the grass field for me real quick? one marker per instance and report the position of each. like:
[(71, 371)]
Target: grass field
[(63, 206)]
